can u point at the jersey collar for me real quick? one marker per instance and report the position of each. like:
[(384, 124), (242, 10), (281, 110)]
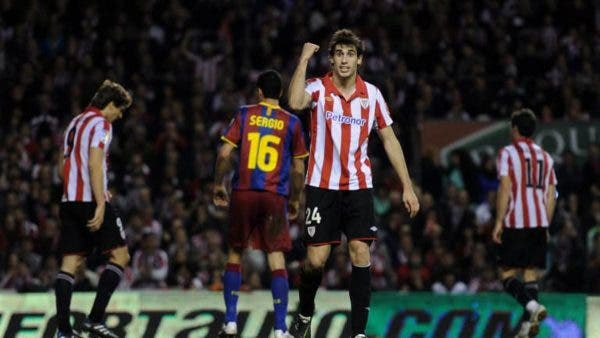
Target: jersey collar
[(360, 88), (94, 110), (527, 140), (268, 105)]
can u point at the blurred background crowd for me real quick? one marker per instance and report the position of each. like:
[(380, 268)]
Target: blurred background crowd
[(189, 64)]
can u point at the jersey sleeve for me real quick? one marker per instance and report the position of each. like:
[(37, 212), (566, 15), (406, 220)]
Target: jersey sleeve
[(383, 117), (101, 135), (298, 142), (551, 176), (312, 88), (233, 134), (502, 163)]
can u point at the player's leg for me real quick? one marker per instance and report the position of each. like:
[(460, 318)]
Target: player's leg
[(311, 275), (242, 213), (513, 286), (110, 240), (63, 289), (516, 288), (279, 290), (232, 281), (530, 277), (322, 228), (535, 312), (536, 263), (360, 285), (74, 244), (273, 236), (109, 281), (360, 229)]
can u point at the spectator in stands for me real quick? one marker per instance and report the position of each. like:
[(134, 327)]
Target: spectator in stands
[(150, 264)]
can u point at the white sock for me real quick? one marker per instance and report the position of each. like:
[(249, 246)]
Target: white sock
[(230, 328), (532, 305)]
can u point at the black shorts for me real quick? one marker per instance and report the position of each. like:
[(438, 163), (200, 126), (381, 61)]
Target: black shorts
[(329, 213), (523, 248), (76, 238)]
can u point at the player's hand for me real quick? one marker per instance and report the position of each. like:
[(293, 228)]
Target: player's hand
[(95, 223), (293, 207), (220, 197), (308, 50), (497, 233), (411, 203)]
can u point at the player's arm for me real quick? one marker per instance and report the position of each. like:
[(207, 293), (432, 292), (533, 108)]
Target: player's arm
[(297, 183), (393, 149), (96, 158), (550, 201), (222, 167), (299, 99), (61, 163), (502, 199)]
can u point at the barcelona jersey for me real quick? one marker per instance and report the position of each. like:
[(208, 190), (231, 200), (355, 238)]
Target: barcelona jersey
[(268, 138)]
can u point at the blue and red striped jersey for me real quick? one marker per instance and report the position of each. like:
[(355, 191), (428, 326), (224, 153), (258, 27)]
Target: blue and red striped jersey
[(267, 138)]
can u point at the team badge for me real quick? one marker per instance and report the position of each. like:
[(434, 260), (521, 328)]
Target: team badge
[(311, 231), (364, 103)]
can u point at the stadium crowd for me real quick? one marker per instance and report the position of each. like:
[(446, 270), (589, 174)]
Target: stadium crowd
[(189, 64)]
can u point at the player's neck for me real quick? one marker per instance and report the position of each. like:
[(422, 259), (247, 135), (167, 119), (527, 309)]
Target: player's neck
[(346, 85), (519, 138)]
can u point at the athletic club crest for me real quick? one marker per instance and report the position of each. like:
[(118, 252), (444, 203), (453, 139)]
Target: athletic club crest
[(311, 231), (364, 103)]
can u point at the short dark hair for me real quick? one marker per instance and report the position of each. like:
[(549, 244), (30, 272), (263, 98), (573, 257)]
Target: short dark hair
[(111, 92), (269, 82), (525, 121), (345, 37)]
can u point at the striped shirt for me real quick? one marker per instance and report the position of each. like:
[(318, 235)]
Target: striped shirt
[(87, 130), (268, 137), (531, 171), (339, 133)]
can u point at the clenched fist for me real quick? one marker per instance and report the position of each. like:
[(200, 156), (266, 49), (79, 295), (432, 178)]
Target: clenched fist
[(308, 50)]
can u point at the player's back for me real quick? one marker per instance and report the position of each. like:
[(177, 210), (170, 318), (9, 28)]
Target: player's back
[(268, 138), (86, 130), (531, 171)]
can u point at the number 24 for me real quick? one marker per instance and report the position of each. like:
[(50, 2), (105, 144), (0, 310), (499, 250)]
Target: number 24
[(313, 216)]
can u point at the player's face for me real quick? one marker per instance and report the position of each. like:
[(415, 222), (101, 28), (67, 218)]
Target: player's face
[(345, 61), (115, 112)]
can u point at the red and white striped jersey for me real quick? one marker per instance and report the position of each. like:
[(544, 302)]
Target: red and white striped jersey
[(339, 133), (87, 130), (531, 171)]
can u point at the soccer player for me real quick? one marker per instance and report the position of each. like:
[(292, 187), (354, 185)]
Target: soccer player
[(525, 205), (88, 221), (339, 198), (271, 150)]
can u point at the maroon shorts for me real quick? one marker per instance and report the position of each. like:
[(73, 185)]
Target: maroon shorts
[(258, 219)]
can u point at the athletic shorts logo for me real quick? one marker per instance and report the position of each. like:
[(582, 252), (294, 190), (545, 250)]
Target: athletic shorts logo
[(373, 228), (311, 231)]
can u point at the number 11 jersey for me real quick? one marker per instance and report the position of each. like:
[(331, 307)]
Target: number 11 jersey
[(268, 138)]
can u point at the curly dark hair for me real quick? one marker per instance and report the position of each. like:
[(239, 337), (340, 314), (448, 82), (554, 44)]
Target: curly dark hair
[(345, 37)]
